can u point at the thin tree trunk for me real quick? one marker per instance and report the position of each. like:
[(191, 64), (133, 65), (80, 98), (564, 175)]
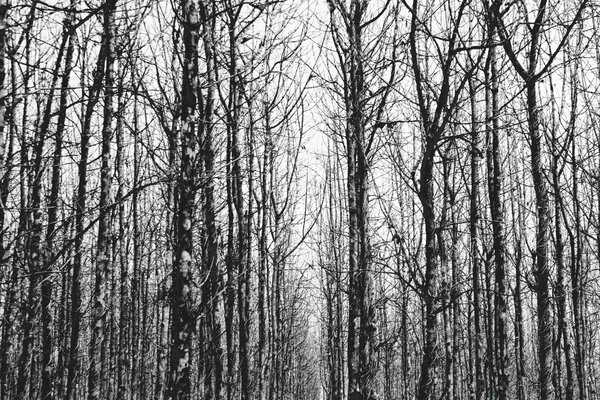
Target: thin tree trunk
[(47, 376), (80, 210), (26, 357), (6, 120), (475, 248), (497, 214), (124, 364), (563, 333)]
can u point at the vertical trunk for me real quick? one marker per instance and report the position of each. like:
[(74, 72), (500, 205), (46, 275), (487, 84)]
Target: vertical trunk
[(430, 292), (577, 280), (332, 262), (433, 126), (519, 343), (40, 270), (6, 120), (80, 209), (563, 333), (103, 270), (162, 305), (475, 248), (124, 363), (353, 305), (237, 217), (209, 206), (142, 389), (247, 223), (497, 214), (137, 257), (230, 260), (361, 318), (69, 37), (242, 224), (406, 377), (264, 258), (530, 78), (183, 319), (445, 309), (455, 291), (542, 271), (30, 309)]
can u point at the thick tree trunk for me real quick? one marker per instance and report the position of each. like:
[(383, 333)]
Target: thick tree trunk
[(542, 270), (430, 291), (183, 318), (104, 260)]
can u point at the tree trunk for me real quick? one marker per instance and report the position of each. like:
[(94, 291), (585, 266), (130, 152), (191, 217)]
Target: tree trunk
[(103, 256), (182, 317), (542, 271), (497, 214), (475, 248)]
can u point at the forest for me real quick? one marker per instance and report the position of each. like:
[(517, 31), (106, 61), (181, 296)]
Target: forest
[(293, 199)]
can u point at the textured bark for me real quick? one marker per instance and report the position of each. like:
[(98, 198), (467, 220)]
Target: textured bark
[(577, 284), (162, 306), (497, 214), (247, 220), (7, 135), (211, 268), (332, 264), (361, 316), (40, 269), (230, 258), (563, 334), (30, 308), (477, 380), (183, 318), (136, 307), (124, 363), (519, 342), (263, 265), (542, 270), (47, 352), (425, 387), (530, 75), (80, 209), (430, 294), (433, 122), (103, 270)]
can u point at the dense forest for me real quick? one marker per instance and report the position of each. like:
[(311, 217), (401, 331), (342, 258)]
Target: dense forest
[(291, 199)]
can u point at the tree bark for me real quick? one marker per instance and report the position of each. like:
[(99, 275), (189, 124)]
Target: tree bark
[(183, 318), (497, 214), (104, 260), (80, 209)]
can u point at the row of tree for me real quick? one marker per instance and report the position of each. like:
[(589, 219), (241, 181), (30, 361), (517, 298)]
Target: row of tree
[(266, 199)]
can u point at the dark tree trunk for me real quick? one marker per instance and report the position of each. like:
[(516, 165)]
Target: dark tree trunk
[(183, 318), (497, 214), (103, 271)]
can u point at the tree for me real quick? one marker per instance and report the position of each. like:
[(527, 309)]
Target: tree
[(531, 74), (183, 319)]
